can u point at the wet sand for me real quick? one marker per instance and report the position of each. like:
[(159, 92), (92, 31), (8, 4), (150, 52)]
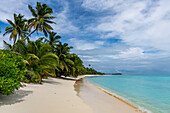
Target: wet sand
[(101, 101)]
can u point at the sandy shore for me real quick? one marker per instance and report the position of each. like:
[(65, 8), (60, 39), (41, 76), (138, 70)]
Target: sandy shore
[(54, 96), (102, 101), (59, 96)]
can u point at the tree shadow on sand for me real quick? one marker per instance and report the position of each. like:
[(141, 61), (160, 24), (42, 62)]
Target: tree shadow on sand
[(17, 97), (67, 78), (50, 81)]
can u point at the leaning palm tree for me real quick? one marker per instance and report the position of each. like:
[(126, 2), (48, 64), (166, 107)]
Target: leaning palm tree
[(17, 28), (41, 19)]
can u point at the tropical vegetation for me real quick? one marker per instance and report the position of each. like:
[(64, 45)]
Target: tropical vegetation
[(30, 61), (12, 71)]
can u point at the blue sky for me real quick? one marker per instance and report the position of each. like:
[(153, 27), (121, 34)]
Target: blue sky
[(128, 36)]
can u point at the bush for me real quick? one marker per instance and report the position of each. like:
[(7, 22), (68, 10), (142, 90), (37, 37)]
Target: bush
[(12, 71)]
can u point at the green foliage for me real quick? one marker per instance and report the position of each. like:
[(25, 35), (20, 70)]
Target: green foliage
[(92, 71), (7, 85), (40, 58), (78, 68), (53, 39), (31, 77), (12, 71)]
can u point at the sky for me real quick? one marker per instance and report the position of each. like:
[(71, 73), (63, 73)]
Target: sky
[(114, 36)]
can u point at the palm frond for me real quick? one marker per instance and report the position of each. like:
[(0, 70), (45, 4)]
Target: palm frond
[(48, 27), (7, 32), (49, 17), (8, 28), (33, 56), (32, 11), (7, 45), (10, 22), (48, 21)]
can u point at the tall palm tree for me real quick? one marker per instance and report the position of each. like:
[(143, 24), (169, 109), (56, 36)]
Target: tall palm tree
[(41, 19), (17, 28)]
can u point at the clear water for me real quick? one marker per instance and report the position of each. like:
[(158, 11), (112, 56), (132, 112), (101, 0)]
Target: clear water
[(150, 92)]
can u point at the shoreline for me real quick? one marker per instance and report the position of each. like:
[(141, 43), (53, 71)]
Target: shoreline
[(117, 97), (59, 96), (137, 108)]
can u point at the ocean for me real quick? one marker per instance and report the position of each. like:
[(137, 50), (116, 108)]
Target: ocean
[(149, 93)]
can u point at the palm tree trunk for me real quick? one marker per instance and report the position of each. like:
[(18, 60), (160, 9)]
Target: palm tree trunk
[(40, 78), (30, 34)]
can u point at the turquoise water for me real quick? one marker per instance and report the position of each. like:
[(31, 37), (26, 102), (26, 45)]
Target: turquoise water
[(149, 92)]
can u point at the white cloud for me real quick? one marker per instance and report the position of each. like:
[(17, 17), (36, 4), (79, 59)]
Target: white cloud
[(63, 24), (85, 45), (100, 5), (131, 53), (138, 23), (9, 7), (99, 42)]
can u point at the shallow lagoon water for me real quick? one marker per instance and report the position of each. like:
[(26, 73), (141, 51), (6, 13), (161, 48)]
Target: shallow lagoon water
[(149, 91)]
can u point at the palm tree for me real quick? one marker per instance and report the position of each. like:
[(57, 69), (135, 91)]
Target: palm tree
[(45, 64), (41, 19), (38, 57), (62, 48), (53, 39), (78, 68), (17, 27), (20, 47), (38, 48), (65, 64)]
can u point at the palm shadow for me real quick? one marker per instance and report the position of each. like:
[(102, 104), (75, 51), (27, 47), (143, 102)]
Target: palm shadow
[(66, 78), (17, 97), (50, 81)]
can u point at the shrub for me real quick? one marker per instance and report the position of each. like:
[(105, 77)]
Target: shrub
[(12, 71)]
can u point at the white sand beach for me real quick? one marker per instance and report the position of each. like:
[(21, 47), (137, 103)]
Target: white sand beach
[(58, 96)]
